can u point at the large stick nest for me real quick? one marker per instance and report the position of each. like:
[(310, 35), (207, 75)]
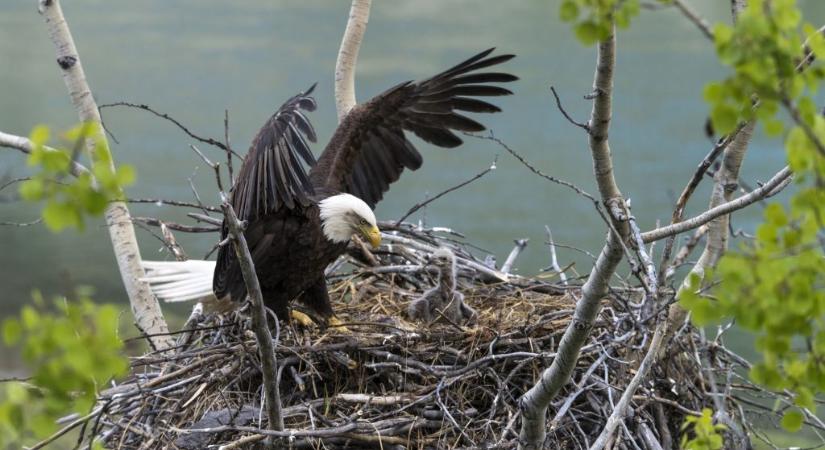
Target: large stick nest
[(394, 383)]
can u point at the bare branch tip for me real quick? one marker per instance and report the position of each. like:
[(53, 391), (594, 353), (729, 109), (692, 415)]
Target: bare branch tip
[(583, 126)]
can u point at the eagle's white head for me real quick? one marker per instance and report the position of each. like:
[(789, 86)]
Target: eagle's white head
[(344, 215)]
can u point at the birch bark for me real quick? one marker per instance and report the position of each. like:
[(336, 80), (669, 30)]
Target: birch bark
[(359, 15), (145, 307), (534, 403)]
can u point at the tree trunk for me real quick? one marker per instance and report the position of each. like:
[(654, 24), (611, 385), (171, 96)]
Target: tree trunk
[(145, 307)]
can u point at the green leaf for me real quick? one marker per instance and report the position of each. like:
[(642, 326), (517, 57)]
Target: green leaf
[(32, 190), (805, 398), (807, 109), (792, 421), (58, 215), (774, 127), (39, 135), (724, 118), (588, 32), (569, 11), (126, 175), (29, 317), (12, 331), (775, 215), (722, 34), (714, 92)]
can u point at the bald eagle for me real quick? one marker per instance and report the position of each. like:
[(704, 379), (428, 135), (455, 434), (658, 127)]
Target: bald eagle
[(299, 222)]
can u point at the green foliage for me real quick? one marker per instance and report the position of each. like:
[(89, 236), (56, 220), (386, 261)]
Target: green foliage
[(775, 285), (774, 288), (68, 199), (593, 19), (765, 50), (706, 434), (71, 353), (792, 420)]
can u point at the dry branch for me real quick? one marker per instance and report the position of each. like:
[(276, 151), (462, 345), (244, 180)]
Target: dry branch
[(426, 202), (554, 261), (260, 325), (182, 127), (394, 382), (521, 244)]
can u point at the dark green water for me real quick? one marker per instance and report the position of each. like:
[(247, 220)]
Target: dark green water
[(193, 59)]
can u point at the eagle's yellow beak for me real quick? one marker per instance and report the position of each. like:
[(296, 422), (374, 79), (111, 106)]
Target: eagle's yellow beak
[(372, 234)]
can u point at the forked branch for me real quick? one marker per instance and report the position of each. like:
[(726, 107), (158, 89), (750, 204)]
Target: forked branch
[(534, 403)]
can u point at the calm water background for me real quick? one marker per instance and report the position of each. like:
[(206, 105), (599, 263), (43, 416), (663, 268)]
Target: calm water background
[(193, 59)]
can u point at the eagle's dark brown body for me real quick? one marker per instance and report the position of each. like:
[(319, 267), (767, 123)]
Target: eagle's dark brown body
[(367, 153), (288, 249)]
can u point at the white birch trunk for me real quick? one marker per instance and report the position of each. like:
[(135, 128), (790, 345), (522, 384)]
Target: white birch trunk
[(145, 307), (725, 184), (534, 403), (359, 15)]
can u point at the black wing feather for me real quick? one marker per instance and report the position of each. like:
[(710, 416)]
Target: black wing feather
[(369, 151), (271, 178), (272, 175)]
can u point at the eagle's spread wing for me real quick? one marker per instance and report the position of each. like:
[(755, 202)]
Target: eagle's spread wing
[(272, 179), (369, 150), (272, 175)]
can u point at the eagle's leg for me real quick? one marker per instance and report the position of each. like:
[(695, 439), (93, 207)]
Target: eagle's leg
[(316, 297), (301, 318), (279, 304)]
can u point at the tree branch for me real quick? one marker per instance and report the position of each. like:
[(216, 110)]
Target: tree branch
[(583, 126), (554, 262), (770, 188), (533, 405), (521, 244), (426, 202), (359, 15), (725, 184), (165, 116), (145, 307), (619, 410), (694, 17), (25, 145), (259, 323)]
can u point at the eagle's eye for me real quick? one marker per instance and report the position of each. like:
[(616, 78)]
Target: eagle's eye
[(363, 222)]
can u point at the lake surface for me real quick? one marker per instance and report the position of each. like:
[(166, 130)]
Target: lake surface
[(194, 59)]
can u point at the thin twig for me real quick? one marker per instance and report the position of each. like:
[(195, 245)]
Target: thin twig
[(701, 23), (161, 202), (554, 262), (426, 202), (169, 118), (532, 168), (175, 226), (229, 151), (583, 126)]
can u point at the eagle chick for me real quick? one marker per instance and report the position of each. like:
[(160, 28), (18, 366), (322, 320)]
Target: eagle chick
[(444, 297)]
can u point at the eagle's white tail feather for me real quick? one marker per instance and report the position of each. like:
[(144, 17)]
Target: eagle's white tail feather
[(180, 281)]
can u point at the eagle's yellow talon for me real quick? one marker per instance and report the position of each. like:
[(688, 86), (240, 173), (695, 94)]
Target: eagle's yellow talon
[(336, 323), (301, 318)]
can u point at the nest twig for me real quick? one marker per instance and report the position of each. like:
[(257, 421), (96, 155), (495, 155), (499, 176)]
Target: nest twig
[(392, 383)]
